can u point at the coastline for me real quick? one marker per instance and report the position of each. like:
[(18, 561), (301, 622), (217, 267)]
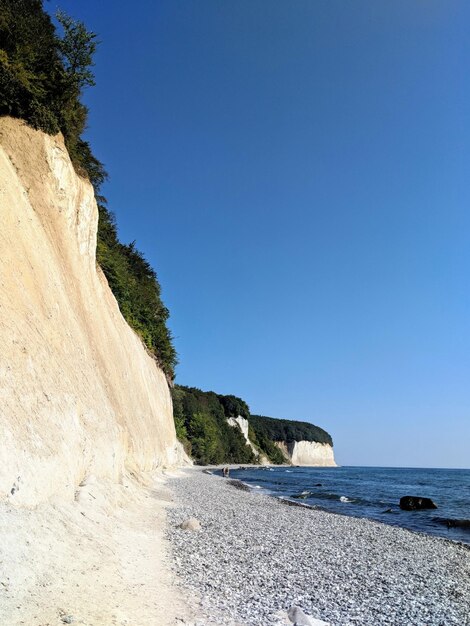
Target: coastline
[(255, 557)]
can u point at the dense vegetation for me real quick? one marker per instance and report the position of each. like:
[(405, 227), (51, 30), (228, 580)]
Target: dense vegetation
[(288, 431), (265, 445), (201, 423), (42, 78), (137, 290)]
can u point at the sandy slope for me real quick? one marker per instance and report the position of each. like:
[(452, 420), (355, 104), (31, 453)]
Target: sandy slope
[(100, 559)]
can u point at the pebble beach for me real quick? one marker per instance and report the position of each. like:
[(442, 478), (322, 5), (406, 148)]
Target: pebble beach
[(255, 557)]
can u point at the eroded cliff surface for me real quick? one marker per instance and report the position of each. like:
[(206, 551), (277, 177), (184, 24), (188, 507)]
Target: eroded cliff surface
[(243, 424), (308, 453), (79, 395)]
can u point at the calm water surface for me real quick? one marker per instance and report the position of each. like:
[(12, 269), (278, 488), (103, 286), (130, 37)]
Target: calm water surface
[(373, 492)]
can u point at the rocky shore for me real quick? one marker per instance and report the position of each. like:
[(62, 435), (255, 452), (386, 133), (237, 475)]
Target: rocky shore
[(254, 558)]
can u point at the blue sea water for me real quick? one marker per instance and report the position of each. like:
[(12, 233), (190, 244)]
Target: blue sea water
[(373, 492)]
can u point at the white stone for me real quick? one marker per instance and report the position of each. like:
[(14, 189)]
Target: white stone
[(299, 618), (191, 524)]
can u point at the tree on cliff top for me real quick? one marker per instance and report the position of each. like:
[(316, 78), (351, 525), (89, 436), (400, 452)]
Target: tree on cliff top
[(289, 430), (233, 406), (42, 75)]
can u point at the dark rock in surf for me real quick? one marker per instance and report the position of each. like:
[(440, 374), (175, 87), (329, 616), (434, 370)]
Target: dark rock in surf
[(453, 523), (238, 484), (415, 503)]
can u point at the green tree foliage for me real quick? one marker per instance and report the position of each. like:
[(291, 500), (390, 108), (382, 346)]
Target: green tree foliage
[(178, 414), (287, 430), (42, 78), (30, 70), (233, 406), (135, 285), (77, 47), (265, 445), (42, 75), (200, 418)]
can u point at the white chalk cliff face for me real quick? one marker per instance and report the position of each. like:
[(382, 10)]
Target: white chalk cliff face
[(79, 395), (309, 453), (242, 423)]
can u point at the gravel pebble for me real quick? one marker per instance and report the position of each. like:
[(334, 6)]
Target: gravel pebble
[(256, 557)]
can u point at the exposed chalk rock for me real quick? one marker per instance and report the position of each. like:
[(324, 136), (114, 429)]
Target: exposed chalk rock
[(243, 425), (79, 394), (308, 453)]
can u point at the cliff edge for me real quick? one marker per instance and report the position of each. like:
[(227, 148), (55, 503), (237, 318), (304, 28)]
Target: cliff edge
[(299, 443), (308, 453), (79, 394)]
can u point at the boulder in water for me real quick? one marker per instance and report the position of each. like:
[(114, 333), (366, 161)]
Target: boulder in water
[(453, 523), (416, 503)]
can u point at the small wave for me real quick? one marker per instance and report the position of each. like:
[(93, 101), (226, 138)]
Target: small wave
[(239, 484), (344, 499), (289, 502), (302, 496), (288, 471), (256, 486)]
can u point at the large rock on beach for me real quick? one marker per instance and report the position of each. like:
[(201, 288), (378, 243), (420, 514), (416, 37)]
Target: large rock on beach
[(416, 503), (300, 618)]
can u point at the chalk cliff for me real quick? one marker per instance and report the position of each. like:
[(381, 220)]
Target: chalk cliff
[(243, 424), (79, 394), (296, 452), (308, 453)]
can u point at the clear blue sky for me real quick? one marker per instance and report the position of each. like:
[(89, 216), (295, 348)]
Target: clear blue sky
[(298, 174)]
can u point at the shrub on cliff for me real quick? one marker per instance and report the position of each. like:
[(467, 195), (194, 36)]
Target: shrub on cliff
[(42, 75), (233, 406), (265, 445), (135, 286)]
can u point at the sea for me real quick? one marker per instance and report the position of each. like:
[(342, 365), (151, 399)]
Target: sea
[(374, 493)]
